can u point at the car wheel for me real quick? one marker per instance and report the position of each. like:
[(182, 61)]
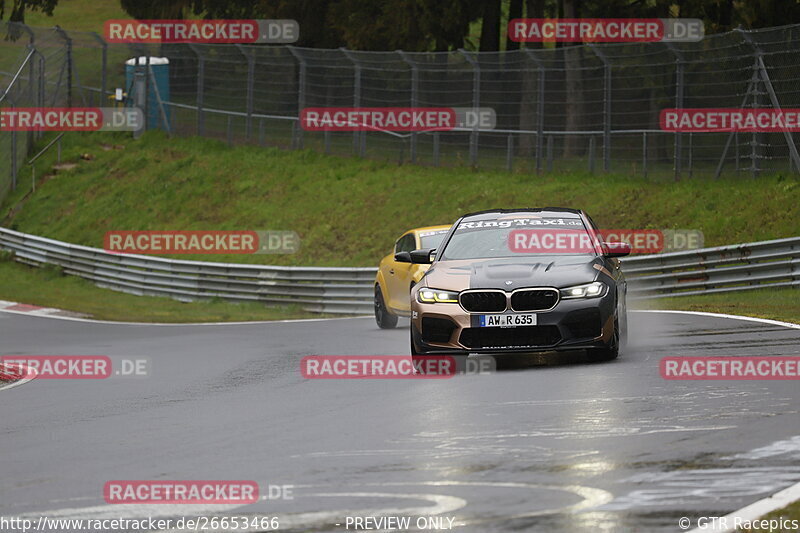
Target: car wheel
[(384, 318), (609, 351)]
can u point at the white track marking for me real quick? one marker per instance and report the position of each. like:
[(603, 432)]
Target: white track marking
[(722, 315)]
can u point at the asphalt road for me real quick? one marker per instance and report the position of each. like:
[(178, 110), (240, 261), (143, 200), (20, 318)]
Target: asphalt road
[(551, 446)]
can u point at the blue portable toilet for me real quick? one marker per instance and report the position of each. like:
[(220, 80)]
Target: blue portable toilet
[(159, 79)]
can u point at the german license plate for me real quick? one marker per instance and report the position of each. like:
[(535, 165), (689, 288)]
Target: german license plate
[(508, 320)]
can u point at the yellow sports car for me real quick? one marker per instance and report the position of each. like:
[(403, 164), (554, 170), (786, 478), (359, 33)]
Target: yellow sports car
[(394, 280)]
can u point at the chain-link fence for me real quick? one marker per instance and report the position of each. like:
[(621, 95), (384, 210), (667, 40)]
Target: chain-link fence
[(35, 71), (587, 108)]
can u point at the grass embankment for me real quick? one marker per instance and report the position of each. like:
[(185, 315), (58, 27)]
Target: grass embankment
[(775, 304), (78, 15), (47, 287), (347, 211)]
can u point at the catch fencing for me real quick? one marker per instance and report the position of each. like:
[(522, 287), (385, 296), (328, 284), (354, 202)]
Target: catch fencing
[(587, 107), (768, 264), (25, 82)]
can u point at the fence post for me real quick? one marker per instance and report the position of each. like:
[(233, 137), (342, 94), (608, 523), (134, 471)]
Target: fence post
[(510, 152), (591, 154), (679, 84), (549, 153), (606, 107), (644, 153), (146, 88), (762, 70), (13, 160), (251, 63), (139, 90), (436, 148), (539, 108), (13, 150), (201, 74), (68, 62), (301, 92), (476, 103), (31, 136), (414, 98), (359, 143), (104, 67)]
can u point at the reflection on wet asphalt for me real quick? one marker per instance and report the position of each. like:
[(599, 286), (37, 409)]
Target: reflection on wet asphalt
[(550, 443)]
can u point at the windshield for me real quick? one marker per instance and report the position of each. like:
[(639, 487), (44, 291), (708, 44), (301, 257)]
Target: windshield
[(432, 239), (518, 236)]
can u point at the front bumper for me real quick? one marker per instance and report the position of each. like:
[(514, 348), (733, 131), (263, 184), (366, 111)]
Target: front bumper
[(570, 325)]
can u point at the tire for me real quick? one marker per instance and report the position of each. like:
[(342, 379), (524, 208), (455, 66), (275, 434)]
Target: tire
[(611, 350), (383, 317)]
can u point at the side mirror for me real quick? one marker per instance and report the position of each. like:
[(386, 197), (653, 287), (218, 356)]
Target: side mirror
[(617, 249), (423, 256), (403, 257)]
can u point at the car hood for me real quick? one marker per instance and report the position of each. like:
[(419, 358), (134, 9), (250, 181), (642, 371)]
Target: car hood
[(513, 272)]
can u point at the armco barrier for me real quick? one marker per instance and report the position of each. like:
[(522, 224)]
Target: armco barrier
[(722, 269), (324, 290), (349, 290)]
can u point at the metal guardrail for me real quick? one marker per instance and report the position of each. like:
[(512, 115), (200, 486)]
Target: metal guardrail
[(323, 290), (737, 267), (349, 290)]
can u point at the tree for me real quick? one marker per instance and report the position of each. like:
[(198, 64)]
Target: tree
[(573, 84), (514, 12), (155, 9), (490, 27), (18, 7)]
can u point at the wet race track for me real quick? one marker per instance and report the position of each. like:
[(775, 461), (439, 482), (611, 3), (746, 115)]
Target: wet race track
[(563, 446)]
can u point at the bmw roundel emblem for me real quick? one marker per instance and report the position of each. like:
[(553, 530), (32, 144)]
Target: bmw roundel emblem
[(509, 282)]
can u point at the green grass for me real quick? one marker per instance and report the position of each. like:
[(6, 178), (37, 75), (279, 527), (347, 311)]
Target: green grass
[(776, 304), (788, 513), (47, 287), (349, 211), (78, 15)]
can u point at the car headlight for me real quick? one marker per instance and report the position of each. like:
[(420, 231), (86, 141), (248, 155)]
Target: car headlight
[(429, 296), (590, 290)]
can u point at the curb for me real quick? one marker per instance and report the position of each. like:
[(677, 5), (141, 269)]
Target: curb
[(11, 377), (754, 511)]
